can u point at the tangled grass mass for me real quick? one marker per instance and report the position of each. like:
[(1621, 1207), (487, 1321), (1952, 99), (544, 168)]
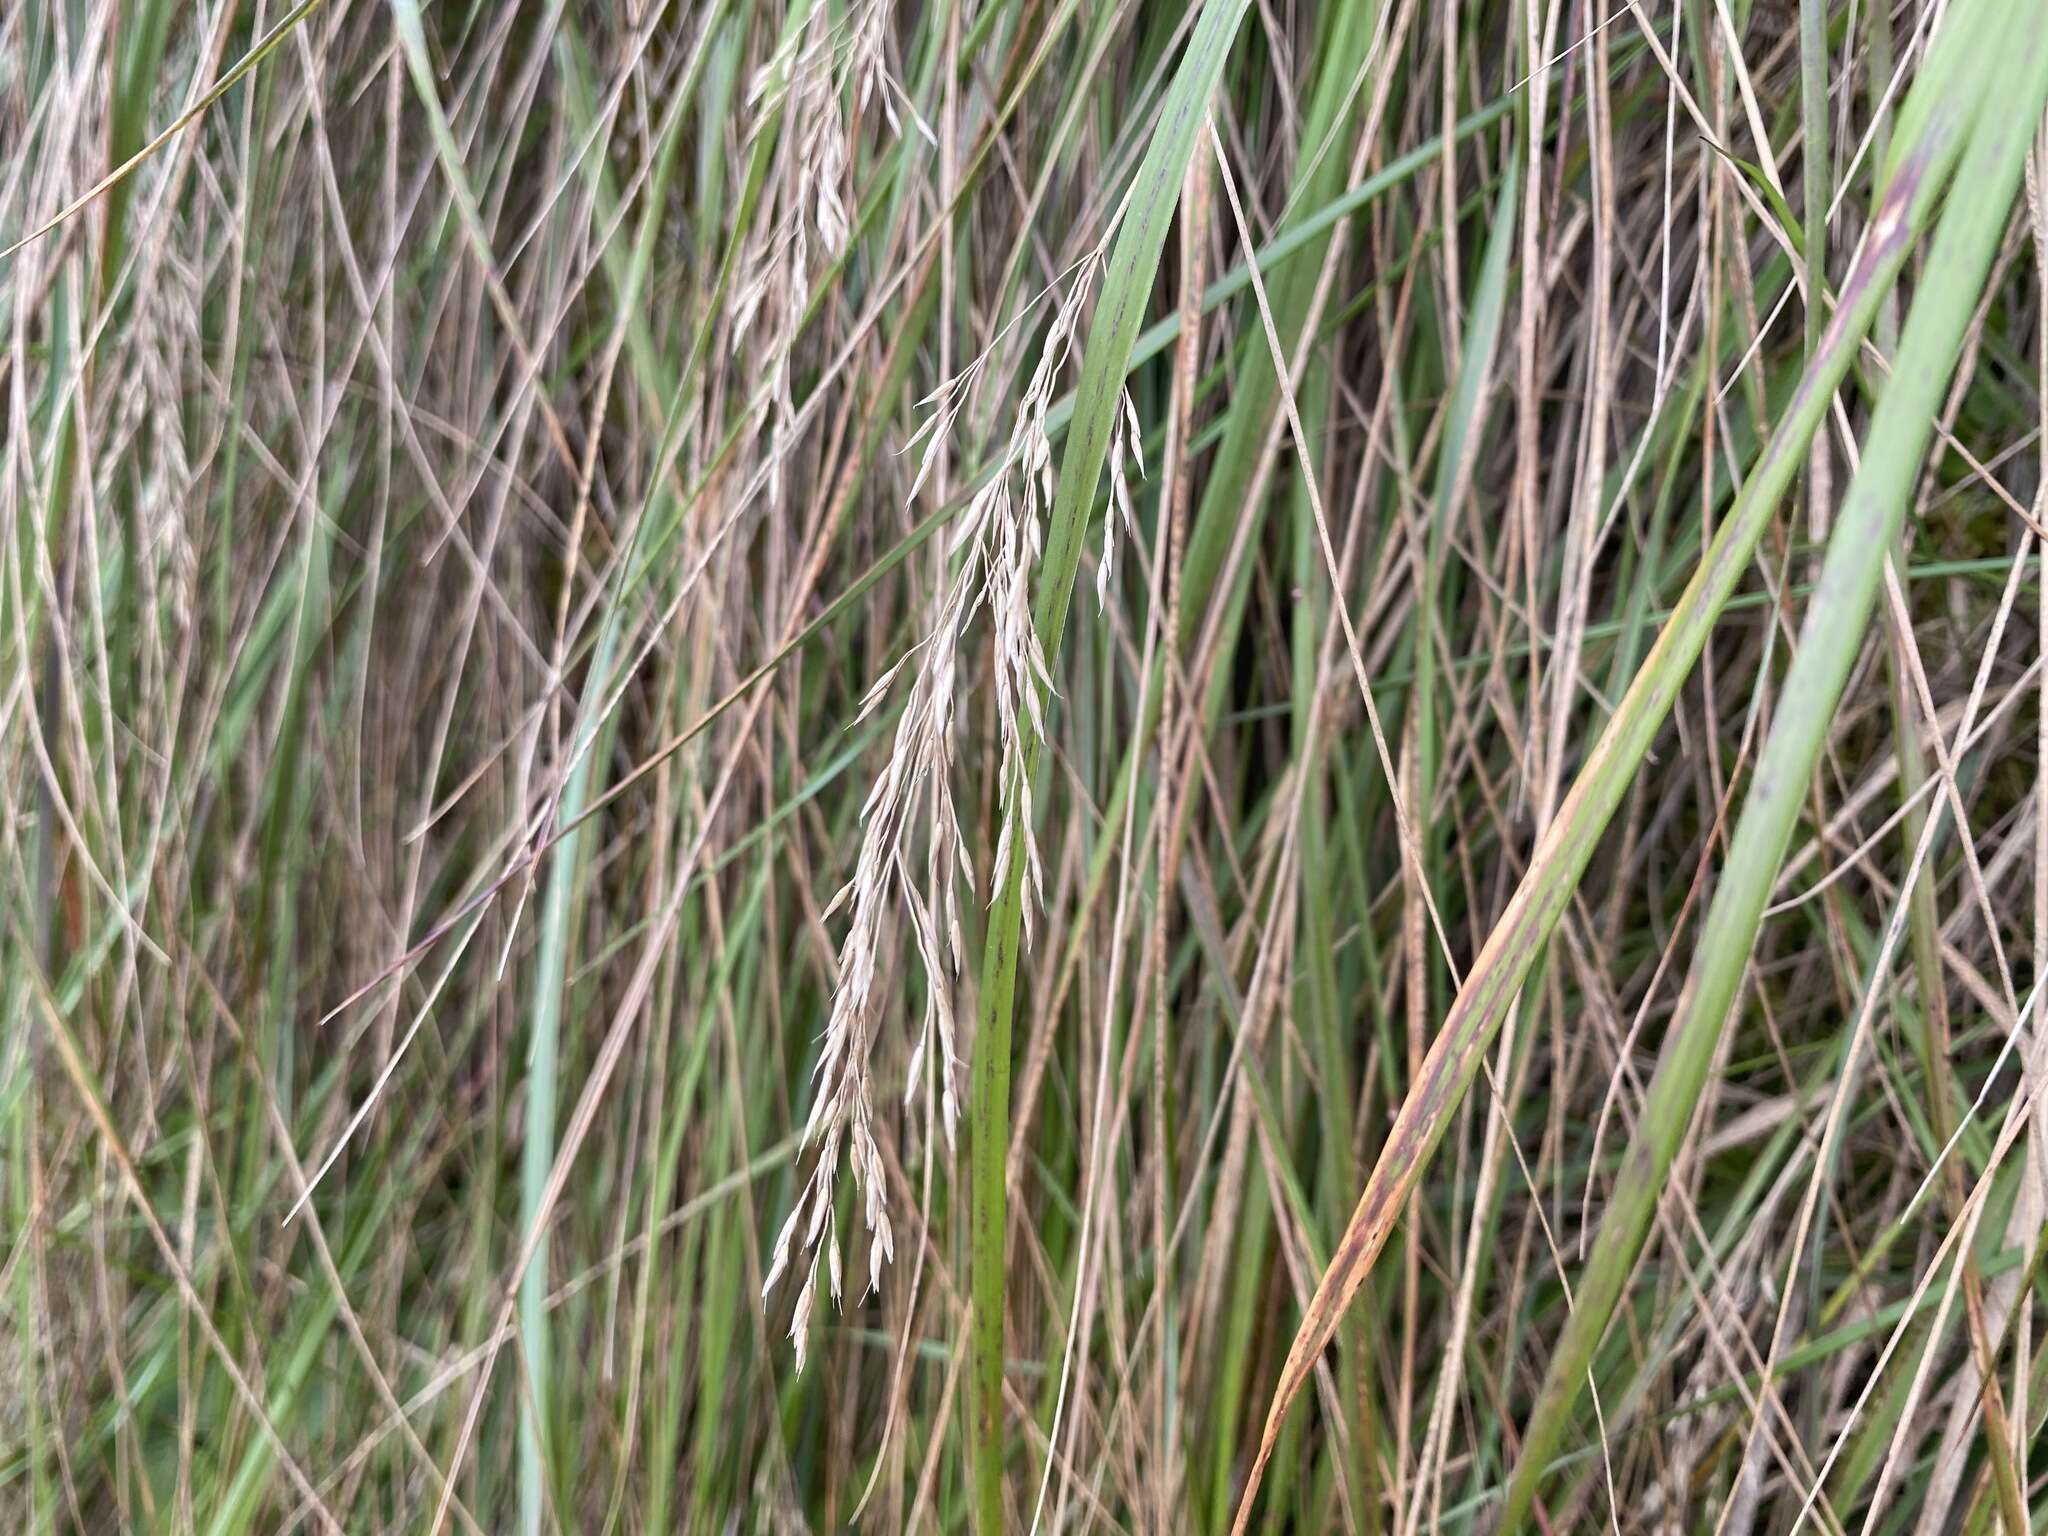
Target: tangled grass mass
[(1023, 766)]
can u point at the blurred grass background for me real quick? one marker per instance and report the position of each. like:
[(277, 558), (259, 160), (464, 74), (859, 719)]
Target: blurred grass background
[(462, 481)]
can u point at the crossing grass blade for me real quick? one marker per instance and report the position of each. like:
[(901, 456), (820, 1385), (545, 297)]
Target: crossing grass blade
[(1920, 171), (2014, 73)]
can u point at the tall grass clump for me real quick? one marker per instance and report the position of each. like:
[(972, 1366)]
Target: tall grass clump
[(1023, 766)]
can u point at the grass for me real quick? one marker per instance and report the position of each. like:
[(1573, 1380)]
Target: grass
[(1481, 978)]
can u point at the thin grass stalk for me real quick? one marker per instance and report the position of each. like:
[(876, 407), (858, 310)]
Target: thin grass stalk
[(537, 1155)]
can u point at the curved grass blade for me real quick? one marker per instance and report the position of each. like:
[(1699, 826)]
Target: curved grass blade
[(1933, 128), (1830, 638)]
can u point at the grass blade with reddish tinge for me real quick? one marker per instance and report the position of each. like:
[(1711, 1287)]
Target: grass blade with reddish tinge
[(1931, 137), (2015, 74)]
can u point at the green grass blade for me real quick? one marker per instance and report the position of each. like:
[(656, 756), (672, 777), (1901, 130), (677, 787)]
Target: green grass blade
[(1120, 311)]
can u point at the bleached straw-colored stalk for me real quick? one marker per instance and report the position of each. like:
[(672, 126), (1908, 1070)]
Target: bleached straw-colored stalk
[(803, 81)]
